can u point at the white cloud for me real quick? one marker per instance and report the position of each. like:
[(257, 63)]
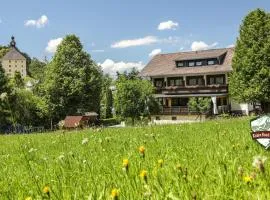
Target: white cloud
[(167, 25), (98, 51), (135, 42), (230, 46), (39, 23), (111, 67), (52, 45), (200, 45), (154, 52), (181, 48)]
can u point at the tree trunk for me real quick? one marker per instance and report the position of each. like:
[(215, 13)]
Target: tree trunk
[(133, 121), (51, 124), (265, 107)]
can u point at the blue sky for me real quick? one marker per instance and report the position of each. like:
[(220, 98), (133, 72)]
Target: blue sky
[(121, 34)]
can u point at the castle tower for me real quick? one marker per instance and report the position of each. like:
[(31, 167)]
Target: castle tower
[(14, 61)]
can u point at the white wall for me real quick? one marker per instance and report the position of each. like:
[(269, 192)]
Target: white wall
[(244, 107)]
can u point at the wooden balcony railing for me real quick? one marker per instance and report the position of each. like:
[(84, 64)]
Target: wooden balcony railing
[(176, 110), (192, 89)]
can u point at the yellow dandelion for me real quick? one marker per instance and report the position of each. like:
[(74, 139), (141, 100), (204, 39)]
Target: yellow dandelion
[(125, 163), (247, 179), (160, 162), (115, 193), (46, 190), (143, 175), (28, 198), (142, 149)]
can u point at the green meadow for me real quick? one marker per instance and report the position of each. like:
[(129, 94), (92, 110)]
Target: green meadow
[(210, 160)]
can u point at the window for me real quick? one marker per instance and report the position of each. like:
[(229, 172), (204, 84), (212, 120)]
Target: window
[(9, 61), (210, 62), (9, 70), (180, 64), (22, 66), (9, 65), (191, 64), (22, 61), (219, 80), (157, 118), (192, 81), (216, 79), (15, 61), (200, 81), (197, 80), (171, 82), (159, 83), (15, 65), (174, 118), (212, 80), (199, 63), (176, 81)]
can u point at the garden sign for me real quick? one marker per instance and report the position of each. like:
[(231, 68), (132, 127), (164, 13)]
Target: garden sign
[(260, 127)]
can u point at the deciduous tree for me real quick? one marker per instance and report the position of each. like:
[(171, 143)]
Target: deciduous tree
[(73, 80), (250, 79)]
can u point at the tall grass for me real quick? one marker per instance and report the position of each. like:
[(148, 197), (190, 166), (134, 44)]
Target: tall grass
[(211, 160)]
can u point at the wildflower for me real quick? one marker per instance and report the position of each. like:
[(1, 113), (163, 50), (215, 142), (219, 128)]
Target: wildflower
[(125, 164), (85, 141), (46, 190), (142, 151), (258, 162), (32, 150), (61, 156), (115, 194), (178, 167), (143, 175), (247, 179), (240, 171), (160, 163), (28, 198)]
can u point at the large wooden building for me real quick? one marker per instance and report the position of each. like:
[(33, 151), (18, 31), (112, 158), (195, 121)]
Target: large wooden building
[(179, 76), (14, 61)]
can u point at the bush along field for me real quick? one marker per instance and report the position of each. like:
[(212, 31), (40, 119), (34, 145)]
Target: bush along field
[(211, 160)]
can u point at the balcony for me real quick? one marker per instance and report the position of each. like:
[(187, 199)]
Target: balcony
[(201, 89), (176, 110)]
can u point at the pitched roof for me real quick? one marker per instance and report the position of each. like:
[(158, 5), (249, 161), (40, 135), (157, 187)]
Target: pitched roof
[(14, 54), (72, 121), (164, 64)]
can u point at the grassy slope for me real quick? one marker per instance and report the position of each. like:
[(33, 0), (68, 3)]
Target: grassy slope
[(200, 160)]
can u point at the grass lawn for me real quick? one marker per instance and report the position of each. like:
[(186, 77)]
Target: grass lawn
[(211, 160)]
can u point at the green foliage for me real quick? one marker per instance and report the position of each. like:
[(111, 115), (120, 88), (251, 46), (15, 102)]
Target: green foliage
[(27, 108), (3, 51), (17, 80), (110, 121), (200, 105), (73, 80), (4, 89), (131, 96), (107, 98), (3, 80), (36, 69), (210, 160), (250, 79), (153, 106)]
